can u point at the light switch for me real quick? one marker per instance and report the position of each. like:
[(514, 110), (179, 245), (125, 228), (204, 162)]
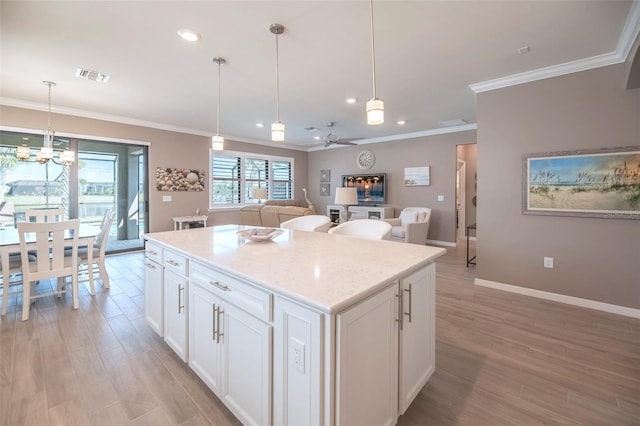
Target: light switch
[(440, 197), (166, 198)]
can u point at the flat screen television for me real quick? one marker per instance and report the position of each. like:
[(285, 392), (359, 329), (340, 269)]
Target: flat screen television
[(371, 187)]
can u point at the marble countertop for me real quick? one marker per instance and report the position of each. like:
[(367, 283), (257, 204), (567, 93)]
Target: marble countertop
[(326, 271)]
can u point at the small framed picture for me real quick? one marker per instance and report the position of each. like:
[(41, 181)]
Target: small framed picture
[(417, 176), (325, 189), (325, 175)]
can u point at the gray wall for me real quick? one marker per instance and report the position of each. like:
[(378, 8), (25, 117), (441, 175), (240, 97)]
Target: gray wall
[(438, 152), (596, 259), (168, 149)]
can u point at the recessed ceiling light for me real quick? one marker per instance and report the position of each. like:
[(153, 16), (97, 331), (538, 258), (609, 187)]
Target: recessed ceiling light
[(351, 100), (259, 124), (317, 138), (189, 35), (24, 138), (401, 122)]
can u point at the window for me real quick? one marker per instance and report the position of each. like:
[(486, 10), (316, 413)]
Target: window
[(234, 175)]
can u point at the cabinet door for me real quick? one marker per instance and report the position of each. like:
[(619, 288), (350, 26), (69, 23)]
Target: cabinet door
[(417, 333), (367, 363), (204, 348), (247, 346), (175, 317), (153, 295)]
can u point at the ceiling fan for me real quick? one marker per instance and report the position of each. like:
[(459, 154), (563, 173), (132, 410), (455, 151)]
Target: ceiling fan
[(332, 139)]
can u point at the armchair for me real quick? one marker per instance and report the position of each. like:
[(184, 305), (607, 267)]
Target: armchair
[(412, 226)]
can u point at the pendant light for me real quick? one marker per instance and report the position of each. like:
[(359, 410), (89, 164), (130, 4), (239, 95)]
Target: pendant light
[(375, 107), (45, 153), (277, 128), (217, 141)]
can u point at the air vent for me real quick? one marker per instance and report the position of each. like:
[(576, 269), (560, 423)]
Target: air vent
[(92, 75)]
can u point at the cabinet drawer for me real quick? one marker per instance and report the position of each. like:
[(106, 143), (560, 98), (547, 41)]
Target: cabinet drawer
[(175, 262), (245, 296), (153, 252)]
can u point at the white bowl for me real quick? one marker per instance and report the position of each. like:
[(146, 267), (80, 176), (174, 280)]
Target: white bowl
[(260, 234)]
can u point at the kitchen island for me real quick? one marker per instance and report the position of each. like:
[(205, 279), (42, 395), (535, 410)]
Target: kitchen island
[(309, 328)]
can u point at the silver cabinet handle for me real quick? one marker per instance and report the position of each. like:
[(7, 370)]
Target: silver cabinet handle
[(220, 312), (180, 301), (410, 303), (150, 265), (215, 320), (173, 262), (152, 252), (400, 310), (220, 286)]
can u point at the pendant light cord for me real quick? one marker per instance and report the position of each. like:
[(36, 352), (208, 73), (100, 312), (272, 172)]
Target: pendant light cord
[(373, 51), (277, 84), (49, 116), (218, 108)]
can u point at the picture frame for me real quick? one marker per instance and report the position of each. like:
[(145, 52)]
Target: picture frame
[(602, 183), (417, 176), (179, 179), (325, 175), (325, 189)]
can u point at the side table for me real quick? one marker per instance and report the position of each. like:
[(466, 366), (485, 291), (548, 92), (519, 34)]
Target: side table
[(470, 261), (178, 222)]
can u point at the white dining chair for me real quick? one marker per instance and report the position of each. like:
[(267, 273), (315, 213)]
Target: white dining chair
[(312, 222), (370, 229), (48, 240), (99, 248), (44, 215), (15, 280)]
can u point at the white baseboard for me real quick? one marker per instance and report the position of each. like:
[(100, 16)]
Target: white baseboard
[(442, 243), (569, 300)]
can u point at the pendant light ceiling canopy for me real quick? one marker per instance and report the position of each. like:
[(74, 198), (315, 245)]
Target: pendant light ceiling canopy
[(45, 153), (277, 128), (217, 141), (375, 107)]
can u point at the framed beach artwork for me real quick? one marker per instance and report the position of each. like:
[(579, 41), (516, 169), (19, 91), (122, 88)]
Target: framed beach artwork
[(417, 176), (595, 183)]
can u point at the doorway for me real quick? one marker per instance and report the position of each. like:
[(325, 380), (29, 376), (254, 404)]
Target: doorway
[(104, 175), (466, 188)]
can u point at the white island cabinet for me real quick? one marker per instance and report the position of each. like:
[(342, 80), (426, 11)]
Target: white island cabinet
[(310, 328)]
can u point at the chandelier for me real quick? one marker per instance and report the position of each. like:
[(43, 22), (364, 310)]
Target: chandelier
[(45, 153)]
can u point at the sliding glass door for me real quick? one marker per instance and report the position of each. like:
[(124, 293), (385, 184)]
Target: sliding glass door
[(105, 176)]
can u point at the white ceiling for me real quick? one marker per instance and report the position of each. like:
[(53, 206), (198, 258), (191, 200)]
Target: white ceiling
[(428, 53)]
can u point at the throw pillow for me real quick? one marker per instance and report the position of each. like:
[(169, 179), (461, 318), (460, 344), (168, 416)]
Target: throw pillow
[(408, 217)]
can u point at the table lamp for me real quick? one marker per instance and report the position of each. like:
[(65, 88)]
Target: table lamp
[(259, 194), (346, 197)]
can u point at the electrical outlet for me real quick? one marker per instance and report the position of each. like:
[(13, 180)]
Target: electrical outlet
[(166, 198), (440, 197), (296, 354), (548, 262)]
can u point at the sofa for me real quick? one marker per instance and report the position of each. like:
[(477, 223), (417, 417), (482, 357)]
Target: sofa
[(272, 213)]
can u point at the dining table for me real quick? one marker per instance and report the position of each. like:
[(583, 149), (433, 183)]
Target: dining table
[(10, 243)]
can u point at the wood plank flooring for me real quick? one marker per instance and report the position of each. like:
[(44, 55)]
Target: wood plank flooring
[(501, 359)]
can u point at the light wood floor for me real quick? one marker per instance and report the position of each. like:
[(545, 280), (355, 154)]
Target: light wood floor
[(502, 359)]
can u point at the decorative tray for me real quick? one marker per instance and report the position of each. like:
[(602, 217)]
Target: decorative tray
[(260, 234)]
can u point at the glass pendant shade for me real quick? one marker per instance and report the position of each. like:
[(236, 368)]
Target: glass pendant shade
[(277, 131), (217, 143), (23, 152), (375, 111), (67, 156), (46, 153)]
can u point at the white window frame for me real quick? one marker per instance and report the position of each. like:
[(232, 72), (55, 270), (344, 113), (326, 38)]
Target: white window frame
[(243, 156)]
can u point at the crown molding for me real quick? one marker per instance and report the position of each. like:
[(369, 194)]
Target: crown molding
[(135, 122), (625, 43)]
